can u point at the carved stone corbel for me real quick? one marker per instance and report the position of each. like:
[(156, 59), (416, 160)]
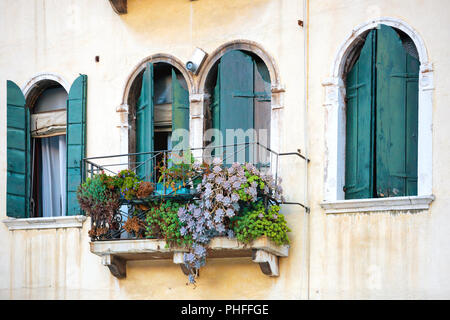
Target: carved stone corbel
[(116, 265), (268, 262), (178, 258)]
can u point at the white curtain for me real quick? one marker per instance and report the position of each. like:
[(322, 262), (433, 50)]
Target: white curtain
[(53, 176)]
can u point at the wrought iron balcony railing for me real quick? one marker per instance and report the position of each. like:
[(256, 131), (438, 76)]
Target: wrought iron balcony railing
[(148, 165)]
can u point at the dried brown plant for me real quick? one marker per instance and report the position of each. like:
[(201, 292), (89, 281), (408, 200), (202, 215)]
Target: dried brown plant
[(145, 189)]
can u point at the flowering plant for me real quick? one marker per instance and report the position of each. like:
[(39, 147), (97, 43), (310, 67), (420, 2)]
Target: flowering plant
[(129, 184)]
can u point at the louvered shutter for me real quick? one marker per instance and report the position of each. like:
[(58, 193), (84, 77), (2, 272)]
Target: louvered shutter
[(215, 115), (144, 125), (76, 141), (180, 109), (215, 106), (262, 113), (263, 97), (236, 99), (412, 122), (359, 128), (18, 153), (396, 117)]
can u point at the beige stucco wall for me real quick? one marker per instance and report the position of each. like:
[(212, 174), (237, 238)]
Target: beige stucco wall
[(63, 37), (367, 256), (379, 255)]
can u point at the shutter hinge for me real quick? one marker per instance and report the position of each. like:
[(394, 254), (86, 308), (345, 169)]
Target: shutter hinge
[(260, 96)]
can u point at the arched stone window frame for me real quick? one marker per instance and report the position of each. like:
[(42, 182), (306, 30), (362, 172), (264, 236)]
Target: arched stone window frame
[(33, 88), (31, 91), (277, 90), (198, 96), (123, 108), (335, 128)]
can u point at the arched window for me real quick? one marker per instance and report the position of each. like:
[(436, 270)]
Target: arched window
[(159, 117), (382, 117), (390, 166), (48, 152), (240, 105), (46, 138)]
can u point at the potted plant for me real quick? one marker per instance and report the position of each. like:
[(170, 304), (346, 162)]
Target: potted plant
[(177, 175)]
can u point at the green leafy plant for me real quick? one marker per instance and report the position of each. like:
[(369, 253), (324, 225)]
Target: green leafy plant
[(163, 223), (98, 196), (256, 221), (96, 193), (257, 185)]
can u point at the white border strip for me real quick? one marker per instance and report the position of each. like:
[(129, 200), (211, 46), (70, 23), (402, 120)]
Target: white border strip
[(334, 103), (378, 204), (45, 223)]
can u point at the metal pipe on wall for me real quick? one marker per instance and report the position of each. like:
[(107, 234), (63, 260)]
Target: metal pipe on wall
[(307, 225)]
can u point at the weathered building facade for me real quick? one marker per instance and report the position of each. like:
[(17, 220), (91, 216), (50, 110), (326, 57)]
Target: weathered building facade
[(384, 239)]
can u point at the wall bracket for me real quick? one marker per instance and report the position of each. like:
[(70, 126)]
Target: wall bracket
[(116, 253)]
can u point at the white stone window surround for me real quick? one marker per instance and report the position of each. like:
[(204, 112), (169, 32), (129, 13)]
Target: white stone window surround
[(42, 77), (198, 97), (123, 109), (335, 127), (44, 222), (277, 88), (140, 67)]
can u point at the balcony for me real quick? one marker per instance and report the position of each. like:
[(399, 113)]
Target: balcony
[(115, 254), (184, 205)]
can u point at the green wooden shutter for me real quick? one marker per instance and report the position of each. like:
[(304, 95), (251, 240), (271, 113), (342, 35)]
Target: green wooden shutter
[(144, 125), (236, 97), (359, 124), (263, 97), (18, 153), (76, 141), (215, 106), (180, 107), (396, 117), (412, 122), (215, 115), (262, 112)]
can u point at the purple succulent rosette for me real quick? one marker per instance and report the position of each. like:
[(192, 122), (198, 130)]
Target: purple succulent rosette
[(221, 190)]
